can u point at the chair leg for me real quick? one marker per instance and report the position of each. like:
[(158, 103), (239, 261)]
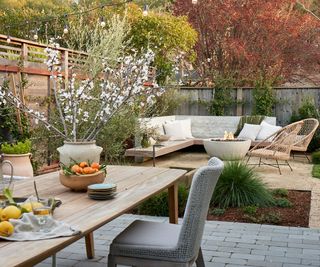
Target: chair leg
[(306, 155), (289, 165), (111, 261), (248, 160), (199, 260), (278, 167), (259, 162)]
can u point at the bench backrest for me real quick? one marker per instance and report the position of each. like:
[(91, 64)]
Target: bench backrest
[(203, 126)]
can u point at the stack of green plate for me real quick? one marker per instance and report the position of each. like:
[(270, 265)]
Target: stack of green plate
[(102, 191)]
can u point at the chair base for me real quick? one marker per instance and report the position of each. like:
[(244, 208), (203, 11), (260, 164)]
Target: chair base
[(113, 261), (276, 165), (301, 156)]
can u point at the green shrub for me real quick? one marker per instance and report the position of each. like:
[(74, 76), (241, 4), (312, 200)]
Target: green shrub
[(280, 192), (282, 203), (271, 217), (316, 171), (264, 98), (18, 148), (308, 109), (158, 205), (240, 186), (218, 212), (250, 210), (316, 157)]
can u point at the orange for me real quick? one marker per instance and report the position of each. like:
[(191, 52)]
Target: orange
[(75, 168), (83, 164), (88, 170), (95, 165)]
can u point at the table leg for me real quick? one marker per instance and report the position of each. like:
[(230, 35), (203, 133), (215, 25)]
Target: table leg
[(54, 260), (173, 203), (89, 245)]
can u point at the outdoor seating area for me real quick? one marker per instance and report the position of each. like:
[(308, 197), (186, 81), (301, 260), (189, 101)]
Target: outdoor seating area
[(159, 133)]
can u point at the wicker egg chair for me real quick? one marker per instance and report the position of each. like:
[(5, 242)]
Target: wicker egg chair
[(279, 148)]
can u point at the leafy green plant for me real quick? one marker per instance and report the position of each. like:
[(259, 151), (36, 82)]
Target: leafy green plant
[(222, 96), (282, 203), (264, 98), (218, 212), (18, 148), (271, 217), (240, 186), (158, 205), (280, 192), (250, 210), (308, 109), (316, 171), (315, 157)]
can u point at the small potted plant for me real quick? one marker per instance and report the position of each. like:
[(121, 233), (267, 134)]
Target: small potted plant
[(19, 155)]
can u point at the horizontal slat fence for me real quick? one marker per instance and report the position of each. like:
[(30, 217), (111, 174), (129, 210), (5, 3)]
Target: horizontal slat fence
[(288, 100)]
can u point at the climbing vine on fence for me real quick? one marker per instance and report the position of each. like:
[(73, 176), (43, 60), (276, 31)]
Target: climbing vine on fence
[(264, 98)]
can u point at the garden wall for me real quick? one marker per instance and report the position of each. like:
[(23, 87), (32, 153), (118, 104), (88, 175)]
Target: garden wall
[(288, 101)]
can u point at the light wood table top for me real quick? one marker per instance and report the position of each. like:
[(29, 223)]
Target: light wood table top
[(134, 185)]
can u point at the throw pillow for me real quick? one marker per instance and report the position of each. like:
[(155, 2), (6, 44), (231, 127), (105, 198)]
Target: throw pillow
[(256, 119), (186, 128), (249, 131), (174, 130), (267, 130)]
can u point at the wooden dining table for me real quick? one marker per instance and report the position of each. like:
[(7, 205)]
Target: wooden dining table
[(134, 185)]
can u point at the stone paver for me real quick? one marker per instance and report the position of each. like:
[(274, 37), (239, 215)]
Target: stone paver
[(251, 245)]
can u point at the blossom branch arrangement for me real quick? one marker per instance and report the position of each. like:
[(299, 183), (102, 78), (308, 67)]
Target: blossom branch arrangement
[(85, 106)]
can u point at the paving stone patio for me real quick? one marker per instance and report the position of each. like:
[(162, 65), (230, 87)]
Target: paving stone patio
[(225, 244)]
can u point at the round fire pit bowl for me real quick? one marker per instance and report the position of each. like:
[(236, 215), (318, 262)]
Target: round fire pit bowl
[(234, 149)]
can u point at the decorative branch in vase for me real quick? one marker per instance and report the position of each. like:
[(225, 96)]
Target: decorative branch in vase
[(84, 107)]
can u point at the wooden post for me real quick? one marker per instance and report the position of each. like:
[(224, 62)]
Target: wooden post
[(24, 52), (173, 203), (239, 101), (14, 91), (66, 68), (89, 245)]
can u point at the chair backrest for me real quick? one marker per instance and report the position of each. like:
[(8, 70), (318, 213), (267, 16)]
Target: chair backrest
[(203, 184), (285, 138), (305, 134)]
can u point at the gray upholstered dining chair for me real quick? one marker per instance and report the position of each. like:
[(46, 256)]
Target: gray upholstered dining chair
[(150, 244)]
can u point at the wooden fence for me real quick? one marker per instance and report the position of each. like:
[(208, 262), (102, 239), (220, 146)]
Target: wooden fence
[(26, 58), (288, 100)]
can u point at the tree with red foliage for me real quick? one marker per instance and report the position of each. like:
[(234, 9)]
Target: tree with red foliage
[(270, 40)]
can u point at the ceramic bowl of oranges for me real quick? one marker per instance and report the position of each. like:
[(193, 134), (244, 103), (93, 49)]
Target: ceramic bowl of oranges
[(78, 176)]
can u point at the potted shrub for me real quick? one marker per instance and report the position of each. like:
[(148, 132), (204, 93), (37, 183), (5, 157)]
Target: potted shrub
[(19, 155)]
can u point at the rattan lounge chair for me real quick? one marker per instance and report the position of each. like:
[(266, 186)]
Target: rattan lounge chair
[(280, 147), (152, 244), (305, 136)]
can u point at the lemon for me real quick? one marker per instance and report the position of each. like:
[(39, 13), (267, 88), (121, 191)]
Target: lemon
[(6, 229), (28, 206), (1, 209), (10, 212)]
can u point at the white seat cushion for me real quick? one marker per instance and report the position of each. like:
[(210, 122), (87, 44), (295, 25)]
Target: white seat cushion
[(249, 132), (267, 130)]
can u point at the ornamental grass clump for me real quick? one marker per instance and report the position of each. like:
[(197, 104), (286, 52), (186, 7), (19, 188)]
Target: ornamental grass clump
[(240, 186)]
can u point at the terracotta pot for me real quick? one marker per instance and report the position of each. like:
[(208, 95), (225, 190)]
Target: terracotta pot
[(79, 151), (81, 182), (21, 165)]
